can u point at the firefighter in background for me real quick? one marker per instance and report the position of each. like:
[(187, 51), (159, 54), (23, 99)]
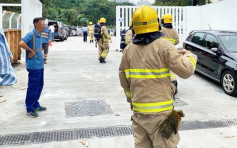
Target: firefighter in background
[(91, 32), (46, 40), (129, 34), (171, 35), (103, 41), (145, 77)]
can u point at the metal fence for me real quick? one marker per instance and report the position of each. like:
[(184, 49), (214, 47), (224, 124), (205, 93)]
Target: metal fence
[(29, 8), (11, 20)]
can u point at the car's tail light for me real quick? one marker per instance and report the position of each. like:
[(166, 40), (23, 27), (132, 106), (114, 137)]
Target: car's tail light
[(61, 30)]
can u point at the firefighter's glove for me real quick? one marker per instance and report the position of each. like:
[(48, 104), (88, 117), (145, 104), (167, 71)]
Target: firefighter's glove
[(171, 124)]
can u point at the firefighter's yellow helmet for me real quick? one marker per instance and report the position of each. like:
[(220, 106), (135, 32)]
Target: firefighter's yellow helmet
[(145, 20), (102, 20), (167, 18), (90, 23)]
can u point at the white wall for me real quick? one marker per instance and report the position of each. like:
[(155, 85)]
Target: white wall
[(193, 17), (221, 15), (30, 10)]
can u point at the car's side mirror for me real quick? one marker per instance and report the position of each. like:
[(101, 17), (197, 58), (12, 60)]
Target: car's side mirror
[(214, 50)]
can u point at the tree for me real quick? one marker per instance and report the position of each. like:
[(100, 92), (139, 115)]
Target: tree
[(124, 4), (71, 11), (180, 2), (14, 9), (95, 9), (70, 16)]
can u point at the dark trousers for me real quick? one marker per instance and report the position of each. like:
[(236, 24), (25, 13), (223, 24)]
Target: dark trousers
[(85, 36), (46, 50), (45, 47), (52, 36), (35, 87)]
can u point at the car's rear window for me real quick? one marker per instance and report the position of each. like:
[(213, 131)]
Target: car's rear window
[(230, 42), (197, 38)]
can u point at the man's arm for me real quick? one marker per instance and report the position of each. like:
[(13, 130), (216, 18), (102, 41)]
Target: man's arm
[(50, 35), (182, 63), (106, 33), (128, 37), (122, 76), (176, 38), (27, 48)]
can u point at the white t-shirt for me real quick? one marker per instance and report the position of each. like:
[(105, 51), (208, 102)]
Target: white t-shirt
[(52, 28), (84, 29)]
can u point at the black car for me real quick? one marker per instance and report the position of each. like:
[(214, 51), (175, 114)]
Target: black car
[(217, 56)]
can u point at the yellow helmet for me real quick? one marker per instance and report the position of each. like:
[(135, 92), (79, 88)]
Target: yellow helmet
[(167, 18), (145, 20), (90, 23), (102, 20)]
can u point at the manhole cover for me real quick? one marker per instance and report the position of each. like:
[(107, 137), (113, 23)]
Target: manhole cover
[(87, 108)]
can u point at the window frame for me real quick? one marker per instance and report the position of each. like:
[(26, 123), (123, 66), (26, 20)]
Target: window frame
[(214, 37), (191, 39)]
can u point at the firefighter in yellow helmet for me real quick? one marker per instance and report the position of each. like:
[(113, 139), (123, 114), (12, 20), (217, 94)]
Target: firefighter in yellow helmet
[(91, 31), (103, 41), (145, 77), (171, 35), (129, 34)]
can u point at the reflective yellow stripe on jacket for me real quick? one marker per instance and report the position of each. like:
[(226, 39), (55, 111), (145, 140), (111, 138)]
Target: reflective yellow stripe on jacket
[(171, 40), (172, 76), (193, 62), (128, 94), (147, 73), (153, 107)]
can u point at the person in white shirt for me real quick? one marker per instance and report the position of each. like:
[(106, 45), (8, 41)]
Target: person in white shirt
[(52, 28), (85, 30)]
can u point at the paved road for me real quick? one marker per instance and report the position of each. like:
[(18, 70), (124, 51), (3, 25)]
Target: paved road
[(73, 74)]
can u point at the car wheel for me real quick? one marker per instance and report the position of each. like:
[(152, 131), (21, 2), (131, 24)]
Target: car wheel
[(228, 81)]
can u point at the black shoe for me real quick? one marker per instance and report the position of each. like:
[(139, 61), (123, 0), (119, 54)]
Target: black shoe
[(41, 108), (102, 60), (32, 114)]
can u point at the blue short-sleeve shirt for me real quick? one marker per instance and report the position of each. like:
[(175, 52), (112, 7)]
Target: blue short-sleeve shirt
[(36, 62)]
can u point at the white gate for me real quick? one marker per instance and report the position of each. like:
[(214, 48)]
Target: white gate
[(124, 15)]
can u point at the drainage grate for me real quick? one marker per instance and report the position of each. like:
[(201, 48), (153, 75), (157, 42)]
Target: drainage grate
[(193, 125), (15, 139), (66, 135), (87, 108), (179, 102)]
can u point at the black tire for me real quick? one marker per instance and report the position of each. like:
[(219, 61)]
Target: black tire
[(229, 82), (62, 39)]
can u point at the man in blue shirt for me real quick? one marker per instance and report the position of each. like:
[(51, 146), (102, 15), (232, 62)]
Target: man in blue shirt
[(32, 43), (46, 39), (84, 30)]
